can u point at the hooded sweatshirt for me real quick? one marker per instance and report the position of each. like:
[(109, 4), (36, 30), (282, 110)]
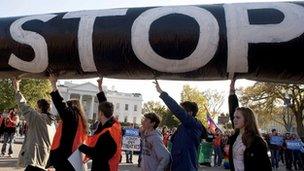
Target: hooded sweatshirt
[(155, 156)]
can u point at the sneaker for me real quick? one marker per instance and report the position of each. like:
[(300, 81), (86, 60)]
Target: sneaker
[(9, 156)]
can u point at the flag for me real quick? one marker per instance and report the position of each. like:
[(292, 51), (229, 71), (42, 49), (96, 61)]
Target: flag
[(211, 124)]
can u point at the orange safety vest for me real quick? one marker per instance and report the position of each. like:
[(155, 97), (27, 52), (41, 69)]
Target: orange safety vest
[(80, 137), (115, 131)]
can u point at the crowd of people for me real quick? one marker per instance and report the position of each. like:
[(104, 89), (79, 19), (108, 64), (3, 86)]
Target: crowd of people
[(49, 142)]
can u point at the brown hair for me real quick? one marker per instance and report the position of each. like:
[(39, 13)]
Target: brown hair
[(107, 108), (190, 107), (75, 105), (153, 118), (250, 125), (44, 105)]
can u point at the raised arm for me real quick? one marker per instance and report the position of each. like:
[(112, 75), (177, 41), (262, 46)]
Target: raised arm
[(28, 112), (233, 101), (175, 108), (101, 95), (57, 99)]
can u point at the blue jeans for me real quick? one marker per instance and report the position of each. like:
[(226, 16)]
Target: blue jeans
[(8, 139), (274, 157)]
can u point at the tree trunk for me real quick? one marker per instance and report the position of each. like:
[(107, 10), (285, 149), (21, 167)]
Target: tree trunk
[(300, 126)]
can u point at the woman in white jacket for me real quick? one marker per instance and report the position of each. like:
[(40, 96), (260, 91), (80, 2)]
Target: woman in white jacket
[(35, 150)]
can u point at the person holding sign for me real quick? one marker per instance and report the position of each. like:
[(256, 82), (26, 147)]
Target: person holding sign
[(154, 156), (275, 144), (104, 146), (247, 150), (288, 151)]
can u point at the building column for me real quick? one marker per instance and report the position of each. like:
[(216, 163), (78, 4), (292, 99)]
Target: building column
[(92, 108), (80, 98)]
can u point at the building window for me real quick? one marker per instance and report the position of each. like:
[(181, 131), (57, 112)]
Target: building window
[(134, 119), (117, 106), (135, 107), (126, 119), (126, 107)]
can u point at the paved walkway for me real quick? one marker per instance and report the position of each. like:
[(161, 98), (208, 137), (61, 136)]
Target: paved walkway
[(9, 164)]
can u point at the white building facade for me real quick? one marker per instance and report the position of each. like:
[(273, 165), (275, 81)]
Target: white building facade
[(127, 106)]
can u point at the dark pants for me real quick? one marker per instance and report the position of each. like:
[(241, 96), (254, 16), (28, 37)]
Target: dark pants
[(288, 159), (8, 139), (275, 158), (33, 168), (129, 156), (297, 160), (218, 156)]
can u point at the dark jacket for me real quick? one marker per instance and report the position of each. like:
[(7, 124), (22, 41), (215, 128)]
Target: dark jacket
[(255, 156), (186, 139), (58, 157), (105, 147)]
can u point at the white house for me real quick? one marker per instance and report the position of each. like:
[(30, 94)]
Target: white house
[(127, 106)]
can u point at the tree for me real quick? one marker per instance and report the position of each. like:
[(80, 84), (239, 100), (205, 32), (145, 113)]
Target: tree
[(35, 89), (7, 99), (167, 118), (153, 107), (267, 100), (194, 95), (32, 89), (214, 100)]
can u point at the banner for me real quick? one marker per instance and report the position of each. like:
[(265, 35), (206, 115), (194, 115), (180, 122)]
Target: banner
[(258, 41), (294, 145), (276, 140), (131, 140), (212, 125)]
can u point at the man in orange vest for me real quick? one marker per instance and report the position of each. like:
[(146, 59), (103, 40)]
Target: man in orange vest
[(104, 147), (10, 124)]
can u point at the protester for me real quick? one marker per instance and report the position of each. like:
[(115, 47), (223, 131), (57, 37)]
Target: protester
[(274, 149), (104, 146), (217, 147), (248, 150), (186, 140), (296, 153), (155, 156), (165, 135), (36, 148), (288, 152), (10, 124), (71, 131)]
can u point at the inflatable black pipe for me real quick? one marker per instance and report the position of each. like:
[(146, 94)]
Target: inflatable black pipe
[(258, 41)]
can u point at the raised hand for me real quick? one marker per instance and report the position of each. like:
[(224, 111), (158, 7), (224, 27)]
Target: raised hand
[(16, 83), (158, 89), (232, 86), (53, 79), (99, 81)]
